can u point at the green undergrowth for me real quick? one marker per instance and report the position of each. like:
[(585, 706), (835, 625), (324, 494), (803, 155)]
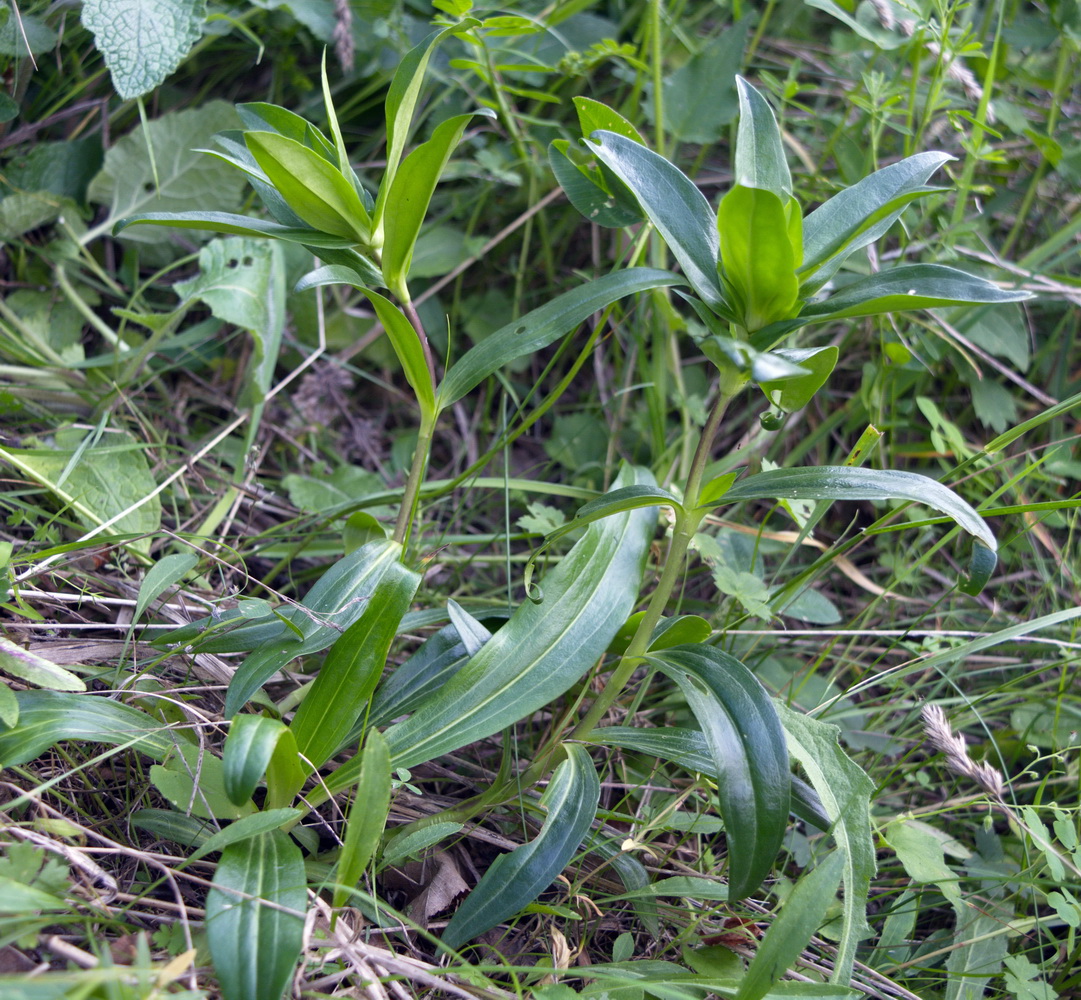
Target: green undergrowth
[(559, 500)]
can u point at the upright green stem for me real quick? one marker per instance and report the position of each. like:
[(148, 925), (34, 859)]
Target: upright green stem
[(687, 522), (408, 511)]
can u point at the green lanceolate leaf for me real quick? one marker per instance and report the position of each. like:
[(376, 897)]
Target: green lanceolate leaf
[(35, 669), (410, 194), (240, 225), (161, 576), (745, 738), (613, 502), (759, 160), (47, 717), (517, 878), (674, 205), (367, 815), (911, 286), (259, 116), (254, 946), (249, 749), (406, 343), (246, 828), (331, 606), (791, 929), (612, 206), (401, 102), (845, 792), (859, 215), (688, 749), (353, 666), (842, 482), (542, 326), (757, 256), (594, 117), (311, 186), (431, 666), (793, 394), (543, 649)]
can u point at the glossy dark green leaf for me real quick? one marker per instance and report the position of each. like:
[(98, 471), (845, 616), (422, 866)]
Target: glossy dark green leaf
[(911, 286), (843, 482), (544, 648), (47, 717), (757, 256), (860, 214), (791, 930), (793, 394), (675, 206), (543, 326), (353, 667), (410, 194), (312, 187), (254, 947), (745, 738), (688, 749), (981, 566), (367, 815), (249, 749), (240, 225), (431, 666), (845, 792), (613, 208), (330, 607), (515, 879), (759, 161)]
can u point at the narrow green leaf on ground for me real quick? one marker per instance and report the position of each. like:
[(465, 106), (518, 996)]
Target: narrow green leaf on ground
[(353, 667), (254, 946), (367, 815), (331, 606), (745, 738), (791, 929), (515, 879), (35, 669), (47, 717), (845, 792)]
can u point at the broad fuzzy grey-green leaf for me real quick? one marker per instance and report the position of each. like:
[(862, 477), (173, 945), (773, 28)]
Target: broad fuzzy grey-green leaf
[(186, 180), (143, 41)]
